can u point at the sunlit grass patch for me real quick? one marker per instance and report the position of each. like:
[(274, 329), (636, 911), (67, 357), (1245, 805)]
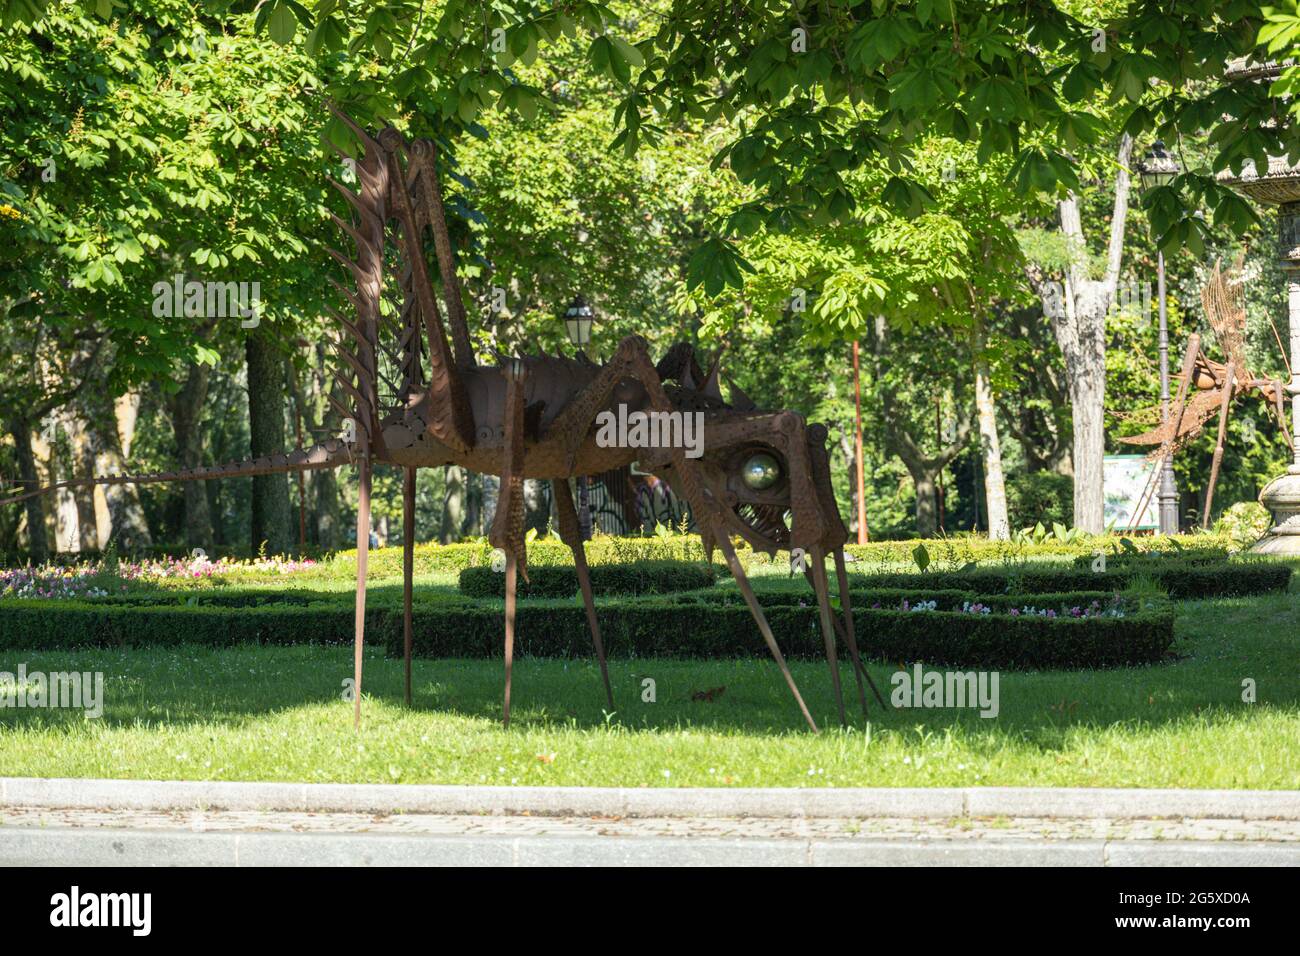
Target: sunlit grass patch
[(265, 713)]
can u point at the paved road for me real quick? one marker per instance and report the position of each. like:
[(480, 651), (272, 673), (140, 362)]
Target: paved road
[(44, 835)]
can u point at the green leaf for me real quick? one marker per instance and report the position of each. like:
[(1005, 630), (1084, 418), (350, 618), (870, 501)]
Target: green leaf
[(630, 54), (921, 556), (715, 265), (282, 23)]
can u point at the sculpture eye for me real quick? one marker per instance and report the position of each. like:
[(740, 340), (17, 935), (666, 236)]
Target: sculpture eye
[(760, 471)]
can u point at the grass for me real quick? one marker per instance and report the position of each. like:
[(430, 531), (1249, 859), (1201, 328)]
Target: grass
[(262, 713)]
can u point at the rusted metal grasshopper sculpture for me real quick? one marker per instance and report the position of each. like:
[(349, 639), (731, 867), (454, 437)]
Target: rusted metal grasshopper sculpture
[(533, 417)]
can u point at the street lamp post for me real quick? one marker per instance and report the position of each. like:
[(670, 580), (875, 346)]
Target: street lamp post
[(578, 318), (1159, 168)]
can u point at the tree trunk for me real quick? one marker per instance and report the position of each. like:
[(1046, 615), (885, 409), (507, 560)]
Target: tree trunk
[(1079, 322), (481, 491), (537, 505), (321, 419), (37, 543), (113, 431), (453, 505), (186, 408), (1088, 402), (995, 488), (325, 508), (927, 503), (83, 466), (272, 523), (849, 450), (1082, 333), (67, 523)]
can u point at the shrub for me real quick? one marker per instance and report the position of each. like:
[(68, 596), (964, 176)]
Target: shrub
[(1018, 642), (1180, 579), (1039, 497), (1244, 522), (1134, 560), (951, 552), (681, 626), (553, 581)]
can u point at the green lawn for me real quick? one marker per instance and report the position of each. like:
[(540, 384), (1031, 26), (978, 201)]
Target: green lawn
[(259, 713)]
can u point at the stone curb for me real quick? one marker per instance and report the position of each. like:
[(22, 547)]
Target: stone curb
[(948, 803), (90, 847)]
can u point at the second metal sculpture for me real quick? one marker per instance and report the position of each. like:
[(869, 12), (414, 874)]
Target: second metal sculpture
[(1207, 387)]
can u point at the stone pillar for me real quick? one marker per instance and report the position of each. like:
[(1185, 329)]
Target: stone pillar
[(1281, 496)]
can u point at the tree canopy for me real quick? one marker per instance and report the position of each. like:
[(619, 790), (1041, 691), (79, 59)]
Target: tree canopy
[(817, 90)]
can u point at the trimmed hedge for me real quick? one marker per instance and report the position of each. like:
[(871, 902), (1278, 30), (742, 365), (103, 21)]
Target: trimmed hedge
[(1139, 559), (606, 549), (700, 627), (556, 581), (1182, 580), (1018, 643)]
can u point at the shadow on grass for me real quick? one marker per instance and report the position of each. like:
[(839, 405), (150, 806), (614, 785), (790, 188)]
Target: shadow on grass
[(246, 685), (1223, 644)]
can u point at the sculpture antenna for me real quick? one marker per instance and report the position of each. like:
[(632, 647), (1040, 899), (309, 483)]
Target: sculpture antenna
[(1224, 299), (451, 419), (423, 156)]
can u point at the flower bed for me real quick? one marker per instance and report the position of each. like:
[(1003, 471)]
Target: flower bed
[(109, 577)]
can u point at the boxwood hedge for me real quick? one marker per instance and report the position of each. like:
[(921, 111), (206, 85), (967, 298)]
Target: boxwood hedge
[(1180, 579), (640, 577), (429, 558), (1134, 559), (706, 625)]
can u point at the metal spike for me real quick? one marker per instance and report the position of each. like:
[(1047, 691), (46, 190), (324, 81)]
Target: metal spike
[(366, 215), (348, 264), (711, 388), (349, 229), (353, 125), (353, 299), (739, 400)]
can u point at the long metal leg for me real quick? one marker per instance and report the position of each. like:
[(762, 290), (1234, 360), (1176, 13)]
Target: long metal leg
[(641, 368), (571, 534), (1218, 447), (756, 610), (1281, 415), (408, 570), (363, 552), (850, 636), (507, 532), (512, 580), (632, 359), (821, 588)]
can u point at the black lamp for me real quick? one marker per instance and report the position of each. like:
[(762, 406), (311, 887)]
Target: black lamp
[(578, 318), (1158, 167)]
